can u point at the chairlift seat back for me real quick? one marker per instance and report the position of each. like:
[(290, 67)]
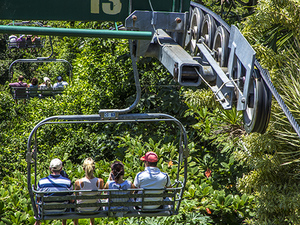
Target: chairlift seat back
[(42, 92), (60, 207), (19, 92)]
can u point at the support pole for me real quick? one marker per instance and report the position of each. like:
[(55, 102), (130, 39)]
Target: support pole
[(71, 32)]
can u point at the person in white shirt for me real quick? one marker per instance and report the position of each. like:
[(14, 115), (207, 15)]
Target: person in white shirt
[(151, 178), (13, 41), (47, 83), (60, 83), (89, 182)]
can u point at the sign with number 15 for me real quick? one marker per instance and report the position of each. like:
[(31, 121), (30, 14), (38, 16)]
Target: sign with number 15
[(112, 7)]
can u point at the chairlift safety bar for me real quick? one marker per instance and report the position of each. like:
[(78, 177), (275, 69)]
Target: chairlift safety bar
[(40, 60)]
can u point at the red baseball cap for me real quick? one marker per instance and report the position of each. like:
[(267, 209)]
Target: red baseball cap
[(150, 157)]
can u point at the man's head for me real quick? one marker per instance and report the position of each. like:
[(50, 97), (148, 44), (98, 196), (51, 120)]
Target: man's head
[(59, 78), (55, 165), (150, 159), (21, 78)]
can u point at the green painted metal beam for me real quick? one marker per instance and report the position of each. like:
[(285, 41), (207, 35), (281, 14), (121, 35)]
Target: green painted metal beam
[(120, 34), (84, 10)]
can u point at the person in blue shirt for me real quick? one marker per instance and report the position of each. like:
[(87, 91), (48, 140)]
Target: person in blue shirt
[(34, 83), (116, 181), (54, 182)]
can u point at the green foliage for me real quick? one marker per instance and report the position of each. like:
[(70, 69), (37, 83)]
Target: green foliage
[(15, 204), (213, 123), (103, 78), (273, 157), (232, 11), (273, 28)]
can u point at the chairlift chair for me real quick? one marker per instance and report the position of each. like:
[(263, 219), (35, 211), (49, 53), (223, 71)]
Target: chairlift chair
[(38, 92), (66, 206), (42, 60), (25, 42)]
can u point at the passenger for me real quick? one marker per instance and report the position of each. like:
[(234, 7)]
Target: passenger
[(19, 92), (116, 181), (33, 86), (19, 83), (60, 83), (47, 83), (29, 41), (47, 87), (89, 182), (12, 41), (54, 182), (34, 83), (151, 178), (36, 41), (21, 41)]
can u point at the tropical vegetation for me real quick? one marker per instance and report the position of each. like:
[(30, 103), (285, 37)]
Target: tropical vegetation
[(233, 177)]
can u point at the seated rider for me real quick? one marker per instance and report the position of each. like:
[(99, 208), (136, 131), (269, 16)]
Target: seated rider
[(34, 83), (60, 83), (89, 182), (36, 41), (21, 41), (29, 41), (12, 41), (116, 181), (54, 182), (33, 86), (20, 90), (19, 83), (151, 178), (46, 83)]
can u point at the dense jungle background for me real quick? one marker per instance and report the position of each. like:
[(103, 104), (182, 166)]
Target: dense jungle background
[(233, 177)]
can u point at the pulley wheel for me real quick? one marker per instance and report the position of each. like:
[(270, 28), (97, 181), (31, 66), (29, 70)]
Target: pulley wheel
[(220, 46), (258, 109), (195, 27), (208, 30)]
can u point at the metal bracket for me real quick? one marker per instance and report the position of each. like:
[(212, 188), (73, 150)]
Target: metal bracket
[(107, 114), (178, 62), (240, 64), (224, 87), (29, 157), (171, 22)]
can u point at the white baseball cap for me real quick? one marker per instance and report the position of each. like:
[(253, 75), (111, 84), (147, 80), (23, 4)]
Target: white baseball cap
[(56, 164)]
